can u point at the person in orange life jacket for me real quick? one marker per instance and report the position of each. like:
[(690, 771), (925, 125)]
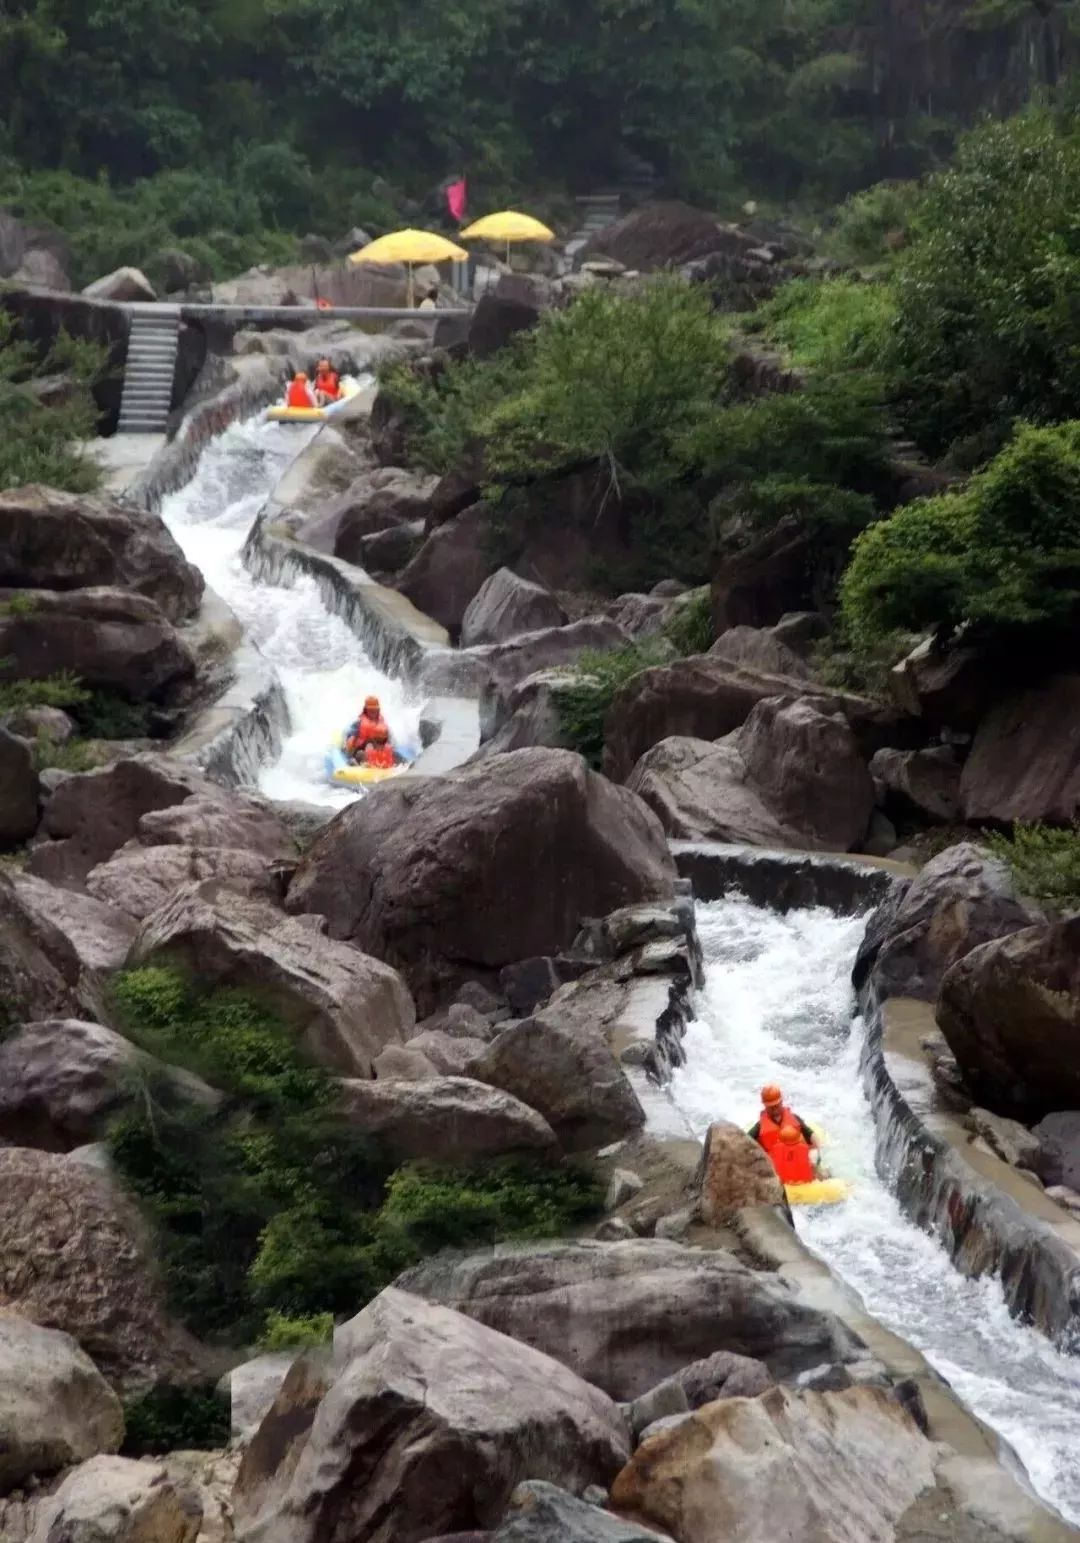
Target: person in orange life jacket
[(369, 724), (774, 1120), (792, 1157), (378, 752), (299, 393), (327, 382)]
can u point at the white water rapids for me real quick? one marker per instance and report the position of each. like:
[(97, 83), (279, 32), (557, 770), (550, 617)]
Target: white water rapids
[(778, 1006), (322, 666)]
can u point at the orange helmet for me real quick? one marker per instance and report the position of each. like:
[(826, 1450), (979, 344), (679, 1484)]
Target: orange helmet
[(371, 704), (771, 1095), (790, 1134)]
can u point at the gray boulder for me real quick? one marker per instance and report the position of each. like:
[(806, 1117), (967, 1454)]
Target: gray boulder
[(760, 648), (252, 1388), (118, 1500), (505, 606), (444, 1119), (1058, 1162), (567, 1072), (455, 912), (543, 1513), (443, 1418), (138, 880), (925, 780), (525, 715), (56, 1408), (625, 1316), (343, 1005), (19, 791), (446, 573), (123, 286), (70, 541), (84, 940)]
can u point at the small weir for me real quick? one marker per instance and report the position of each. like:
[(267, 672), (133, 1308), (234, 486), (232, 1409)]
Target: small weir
[(778, 1006)]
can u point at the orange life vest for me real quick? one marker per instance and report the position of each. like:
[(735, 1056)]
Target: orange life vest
[(329, 383), (769, 1129), (792, 1162), (380, 756), (366, 728), (299, 394)]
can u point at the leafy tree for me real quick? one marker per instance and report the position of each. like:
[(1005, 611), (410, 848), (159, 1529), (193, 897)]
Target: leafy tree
[(40, 443)]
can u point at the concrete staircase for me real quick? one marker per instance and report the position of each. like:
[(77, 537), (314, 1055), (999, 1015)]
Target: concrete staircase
[(150, 369)]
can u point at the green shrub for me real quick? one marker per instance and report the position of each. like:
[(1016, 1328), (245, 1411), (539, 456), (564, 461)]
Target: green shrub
[(171, 1419), (1044, 861), (869, 227), (590, 688), (987, 328), (63, 691), (271, 1210), (1003, 553), (40, 443), (763, 504), (107, 715), (833, 324), (690, 630), (297, 1333), (73, 755)]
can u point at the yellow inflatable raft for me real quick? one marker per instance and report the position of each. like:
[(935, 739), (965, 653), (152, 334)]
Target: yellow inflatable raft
[(295, 414), (352, 776), (818, 1192)]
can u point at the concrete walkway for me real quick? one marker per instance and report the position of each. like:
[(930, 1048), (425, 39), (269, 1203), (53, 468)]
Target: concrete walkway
[(124, 457)]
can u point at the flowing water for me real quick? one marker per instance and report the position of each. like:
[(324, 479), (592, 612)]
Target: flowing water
[(320, 661), (778, 1006)]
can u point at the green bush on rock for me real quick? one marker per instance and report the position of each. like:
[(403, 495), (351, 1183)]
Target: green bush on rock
[(170, 1419), (40, 443), (1044, 861), (271, 1210), (1002, 553)]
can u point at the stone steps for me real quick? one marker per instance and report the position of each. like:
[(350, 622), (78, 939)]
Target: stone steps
[(150, 369)]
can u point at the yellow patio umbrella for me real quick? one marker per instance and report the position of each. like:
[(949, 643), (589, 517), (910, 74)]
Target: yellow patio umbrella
[(508, 226), (410, 247)]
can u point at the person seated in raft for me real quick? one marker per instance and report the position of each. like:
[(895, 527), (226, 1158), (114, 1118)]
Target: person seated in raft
[(378, 752), (327, 383), (798, 1151), (370, 725), (299, 393)]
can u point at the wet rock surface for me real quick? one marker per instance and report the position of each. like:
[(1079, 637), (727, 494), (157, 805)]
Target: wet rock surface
[(56, 1409)]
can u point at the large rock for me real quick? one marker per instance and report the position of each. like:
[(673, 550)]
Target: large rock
[(497, 319), (445, 1119), (428, 1425), (34, 979), (21, 243), (19, 791), (761, 576), (117, 1500), (735, 1172), (55, 1409), (706, 697), (137, 879), (342, 1005), (93, 815), (505, 606), (1010, 1011), (111, 639), (427, 873), (446, 573), (567, 1072), (73, 1256), (542, 1513), (761, 649), (505, 664), (627, 1315), (84, 942), (1059, 1142), (961, 899), (380, 499), (927, 781), (253, 1386), (665, 235), (53, 540), (835, 1467), (790, 776), (948, 688), (123, 286), (60, 1080), (1025, 761), (523, 717)]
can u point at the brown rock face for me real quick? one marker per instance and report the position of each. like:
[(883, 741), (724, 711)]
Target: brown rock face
[(111, 639), (757, 583), (952, 689), (925, 780), (427, 1425), (445, 1119), (73, 1257), (961, 899), (760, 648), (665, 235), (449, 569), (735, 1172), (376, 501), (84, 939), (790, 776), (832, 1467), (428, 874), (625, 1316), (1010, 1011), (1025, 761), (65, 541), (137, 879), (706, 697), (19, 789), (343, 1006), (505, 606)]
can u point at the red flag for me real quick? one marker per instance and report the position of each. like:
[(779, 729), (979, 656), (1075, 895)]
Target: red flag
[(455, 199)]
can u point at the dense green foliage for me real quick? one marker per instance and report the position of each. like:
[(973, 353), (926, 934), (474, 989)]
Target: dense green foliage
[(269, 1206), (987, 328), (1002, 552), (41, 443), (170, 1419), (1044, 860)]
